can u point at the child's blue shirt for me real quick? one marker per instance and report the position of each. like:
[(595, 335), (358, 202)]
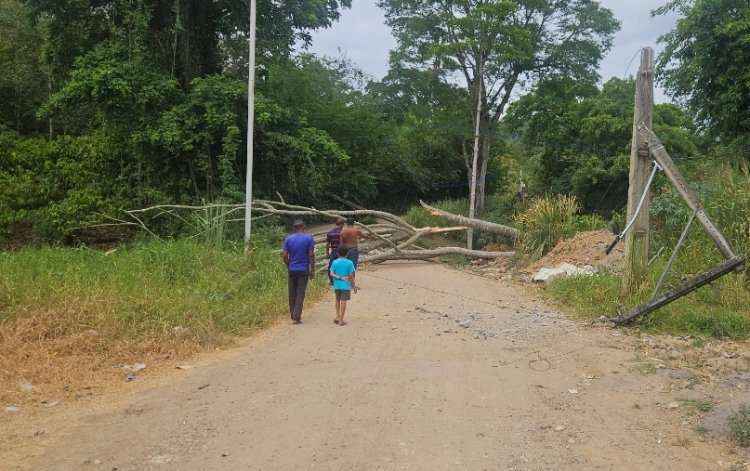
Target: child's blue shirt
[(342, 267)]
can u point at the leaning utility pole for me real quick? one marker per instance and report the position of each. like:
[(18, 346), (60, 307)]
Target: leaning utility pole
[(636, 242)]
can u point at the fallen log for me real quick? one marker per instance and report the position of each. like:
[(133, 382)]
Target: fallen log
[(485, 226), (430, 254), (395, 239)]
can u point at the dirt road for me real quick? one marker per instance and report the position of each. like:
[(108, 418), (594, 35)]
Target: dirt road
[(436, 370)]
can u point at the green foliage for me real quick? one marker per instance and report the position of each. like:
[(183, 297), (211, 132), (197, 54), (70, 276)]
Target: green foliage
[(328, 95), (433, 136), (497, 46), (731, 208), (718, 310), (191, 38), (725, 193), (57, 185), (113, 88), (705, 62), (203, 141), (136, 115), (578, 139), (545, 222), (147, 288), (22, 78), (302, 161), (739, 425), (429, 154)]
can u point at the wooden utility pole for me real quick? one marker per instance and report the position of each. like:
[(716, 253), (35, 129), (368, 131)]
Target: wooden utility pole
[(637, 239)]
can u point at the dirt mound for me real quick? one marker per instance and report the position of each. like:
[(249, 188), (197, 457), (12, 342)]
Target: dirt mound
[(585, 248)]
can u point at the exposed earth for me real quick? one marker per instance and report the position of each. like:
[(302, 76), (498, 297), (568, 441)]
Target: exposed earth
[(584, 248), (437, 369)]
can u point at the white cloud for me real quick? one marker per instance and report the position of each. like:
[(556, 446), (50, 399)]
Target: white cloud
[(362, 36)]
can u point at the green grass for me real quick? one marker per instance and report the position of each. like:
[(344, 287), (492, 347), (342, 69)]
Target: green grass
[(643, 368), (739, 425), (144, 288), (69, 318), (697, 405), (700, 430), (719, 310)]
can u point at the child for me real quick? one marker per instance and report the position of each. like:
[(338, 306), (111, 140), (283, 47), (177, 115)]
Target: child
[(342, 272)]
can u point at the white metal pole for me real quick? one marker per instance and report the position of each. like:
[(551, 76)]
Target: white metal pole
[(250, 121)]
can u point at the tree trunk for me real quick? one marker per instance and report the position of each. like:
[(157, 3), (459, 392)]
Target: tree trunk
[(428, 254), (475, 157), (482, 182), (399, 237), (491, 227)]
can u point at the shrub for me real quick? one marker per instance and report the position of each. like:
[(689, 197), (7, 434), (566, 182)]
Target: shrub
[(739, 425), (546, 221)]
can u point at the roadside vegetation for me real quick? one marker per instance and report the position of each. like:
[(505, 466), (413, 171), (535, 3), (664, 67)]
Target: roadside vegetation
[(719, 310), (76, 315), (119, 105)]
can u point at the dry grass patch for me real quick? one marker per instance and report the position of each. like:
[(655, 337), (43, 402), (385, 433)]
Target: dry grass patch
[(69, 353), (71, 319)]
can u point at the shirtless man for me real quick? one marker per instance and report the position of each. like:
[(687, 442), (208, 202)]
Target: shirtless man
[(350, 237)]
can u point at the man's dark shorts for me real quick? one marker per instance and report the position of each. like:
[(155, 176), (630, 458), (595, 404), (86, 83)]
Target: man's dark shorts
[(353, 255), (343, 294)]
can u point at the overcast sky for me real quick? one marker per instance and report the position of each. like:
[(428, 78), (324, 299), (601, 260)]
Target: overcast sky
[(362, 36)]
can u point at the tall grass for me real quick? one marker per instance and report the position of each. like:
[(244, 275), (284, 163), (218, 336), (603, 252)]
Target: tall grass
[(718, 310), (62, 307), (144, 285), (731, 208), (550, 219)]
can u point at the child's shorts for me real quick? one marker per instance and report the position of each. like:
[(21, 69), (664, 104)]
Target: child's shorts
[(343, 294)]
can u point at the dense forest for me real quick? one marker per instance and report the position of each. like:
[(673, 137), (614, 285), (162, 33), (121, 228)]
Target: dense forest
[(119, 104)]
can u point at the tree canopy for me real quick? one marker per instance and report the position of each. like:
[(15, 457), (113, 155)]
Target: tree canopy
[(705, 63), (496, 47), (113, 104), (578, 138)]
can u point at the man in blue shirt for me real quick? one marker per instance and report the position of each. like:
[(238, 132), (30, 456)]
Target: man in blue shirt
[(299, 256)]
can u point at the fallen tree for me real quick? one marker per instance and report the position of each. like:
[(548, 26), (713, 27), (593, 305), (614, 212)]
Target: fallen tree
[(429, 254), (478, 224), (390, 238)]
